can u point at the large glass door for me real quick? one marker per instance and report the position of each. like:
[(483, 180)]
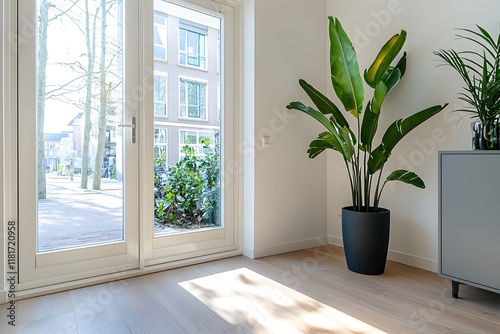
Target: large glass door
[(192, 124), (125, 136), (78, 155)]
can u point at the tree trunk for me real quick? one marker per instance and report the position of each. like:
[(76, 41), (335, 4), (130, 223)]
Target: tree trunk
[(88, 98), (41, 89), (103, 105)]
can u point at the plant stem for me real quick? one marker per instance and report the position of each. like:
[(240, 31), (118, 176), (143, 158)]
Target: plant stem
[(377, 192), (360, 195), (350, 181), (366, 182), (356, 184), (380, 194)]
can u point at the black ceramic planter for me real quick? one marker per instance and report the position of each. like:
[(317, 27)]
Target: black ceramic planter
[(366, 240)]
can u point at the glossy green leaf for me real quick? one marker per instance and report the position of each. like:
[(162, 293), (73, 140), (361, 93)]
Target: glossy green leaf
[(406, 177), (341, 134), (371, 117), (345, 74), (384, 58), (379, 96), (323, 103), (377, 159), (324, 141), (393, 75), (395, 132), (368, 127)]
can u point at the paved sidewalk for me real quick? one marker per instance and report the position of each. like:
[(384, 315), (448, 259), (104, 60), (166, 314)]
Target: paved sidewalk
[(71, 216), (74, 217)]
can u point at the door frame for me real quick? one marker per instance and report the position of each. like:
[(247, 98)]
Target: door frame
[(60, 266), (9, 209), (178, 247)]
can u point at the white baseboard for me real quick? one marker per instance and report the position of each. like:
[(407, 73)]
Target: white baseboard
[(400, 257), (336, 241), (413, 261), (284, 248), (247, 251)]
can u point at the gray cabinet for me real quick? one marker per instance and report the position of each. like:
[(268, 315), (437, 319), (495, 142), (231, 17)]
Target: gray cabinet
[(469, 218)]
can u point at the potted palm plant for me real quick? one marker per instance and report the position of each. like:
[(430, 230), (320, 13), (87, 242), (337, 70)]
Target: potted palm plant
[(365, 225), (480, 71)]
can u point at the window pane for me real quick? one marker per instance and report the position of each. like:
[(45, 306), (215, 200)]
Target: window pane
[(196, 99), (182, 39), (160, 108), (193, 112), (192, 98), (206, 138), (192, 42), (159, 20), (160, 53), (202, 45), (160, 150), (192, 93), (157, 38), (192, 45), (160, 136), (202, 90), (193, 60), (188, 137), (160, 95), (83, 151), (160, 37)]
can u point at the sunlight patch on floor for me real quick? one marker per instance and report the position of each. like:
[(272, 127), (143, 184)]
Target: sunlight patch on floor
[(245, 298)]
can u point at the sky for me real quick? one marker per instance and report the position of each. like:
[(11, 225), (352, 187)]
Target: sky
[(67, 61)]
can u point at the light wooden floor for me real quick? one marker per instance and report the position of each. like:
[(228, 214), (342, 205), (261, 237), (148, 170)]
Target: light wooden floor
[(240, 295)]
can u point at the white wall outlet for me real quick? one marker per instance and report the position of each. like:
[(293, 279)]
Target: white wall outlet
[(266, 142)]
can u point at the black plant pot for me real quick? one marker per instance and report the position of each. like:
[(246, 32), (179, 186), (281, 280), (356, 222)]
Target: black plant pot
[(366, 240)]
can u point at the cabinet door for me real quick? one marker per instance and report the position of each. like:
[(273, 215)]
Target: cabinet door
[(470, 218)]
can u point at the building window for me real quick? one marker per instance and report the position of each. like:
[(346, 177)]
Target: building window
[(203, 142), (193, 45), (160, 95), (193, 99), (160, 37), (160, 146)]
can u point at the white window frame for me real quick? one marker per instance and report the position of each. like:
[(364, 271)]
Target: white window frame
[(165, 76), (183, 78), (186, 53), (198, 145), (225, 239), (161, 28), (161, 144)]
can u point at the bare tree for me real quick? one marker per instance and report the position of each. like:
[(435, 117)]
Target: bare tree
[(43, 55), (90, 44), (42, 79), (103, 105)]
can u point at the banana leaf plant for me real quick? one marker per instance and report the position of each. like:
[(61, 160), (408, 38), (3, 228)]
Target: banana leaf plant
[(364, 161)]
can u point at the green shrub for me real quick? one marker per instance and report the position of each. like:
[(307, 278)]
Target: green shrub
[(188, 196)]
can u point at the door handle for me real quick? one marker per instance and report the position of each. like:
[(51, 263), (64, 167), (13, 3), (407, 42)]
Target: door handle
[(132, 126)]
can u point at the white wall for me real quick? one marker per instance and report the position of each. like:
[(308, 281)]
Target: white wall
[(285, 206), (430, 25)]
